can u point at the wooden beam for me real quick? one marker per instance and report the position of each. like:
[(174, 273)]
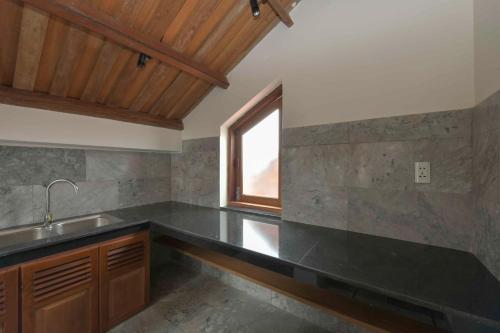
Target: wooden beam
[(68, 105), (281, 12), (105, 25)]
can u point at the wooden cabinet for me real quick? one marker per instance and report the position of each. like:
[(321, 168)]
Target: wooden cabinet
[(9, 300), (124, 278), (60, 293)]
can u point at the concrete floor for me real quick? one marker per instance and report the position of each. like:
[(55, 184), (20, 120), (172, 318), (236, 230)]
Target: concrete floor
[(187, 302)]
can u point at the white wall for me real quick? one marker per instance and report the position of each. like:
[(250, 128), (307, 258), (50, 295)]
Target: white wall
[(487, 47), (21, 125), (347, 60)]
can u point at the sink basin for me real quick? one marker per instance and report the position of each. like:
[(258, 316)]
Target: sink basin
[(22, 235), (36, 232), (83, 223)]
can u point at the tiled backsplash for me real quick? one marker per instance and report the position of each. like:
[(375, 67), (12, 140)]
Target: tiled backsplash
[(359, 176), (486, 183), (195, 173), (107, 180)]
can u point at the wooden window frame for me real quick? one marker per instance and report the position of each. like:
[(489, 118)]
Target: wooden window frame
[(235, 176)]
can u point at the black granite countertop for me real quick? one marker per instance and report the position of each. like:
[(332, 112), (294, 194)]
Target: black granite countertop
[(441, 279)]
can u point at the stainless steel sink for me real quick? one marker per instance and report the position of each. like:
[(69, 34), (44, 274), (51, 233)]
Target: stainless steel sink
[(68, 226), (23, 235), (83, 223)]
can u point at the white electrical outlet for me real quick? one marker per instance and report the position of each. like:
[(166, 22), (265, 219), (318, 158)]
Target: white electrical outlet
[(422, 172)]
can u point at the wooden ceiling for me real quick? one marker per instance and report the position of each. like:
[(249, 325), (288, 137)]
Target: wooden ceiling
[(80, 56)]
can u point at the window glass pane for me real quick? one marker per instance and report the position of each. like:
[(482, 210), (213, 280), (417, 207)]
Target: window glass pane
[(260, 163)]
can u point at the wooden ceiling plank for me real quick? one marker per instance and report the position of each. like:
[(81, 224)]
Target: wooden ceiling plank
[(11, 13), (218, 33), (101, 23), (189, 100), (227, 26), (31, 39), (180, 19), (253, 37), (103, 66), (162, 78), (164, 102), (36, 100), (74, 46), (108, 54), (126, 72), (56, 32), (168, 98), (138, 19), (84, 68), (281, 11), (123, 57), (207, 54), (93, 46), (202, 14), (179, 33), (133, 78), (196, 101), (242, 46), (134, 95)]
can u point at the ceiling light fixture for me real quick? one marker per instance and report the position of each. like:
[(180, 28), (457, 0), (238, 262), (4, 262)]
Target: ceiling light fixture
[(143, 59), (255, 8)]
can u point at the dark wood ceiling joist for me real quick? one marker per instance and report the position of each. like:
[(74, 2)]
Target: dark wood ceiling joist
[(43, 101), (102, 24), (281, 12)]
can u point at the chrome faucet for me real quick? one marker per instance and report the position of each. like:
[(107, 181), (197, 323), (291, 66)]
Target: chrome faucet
[(48, 214)]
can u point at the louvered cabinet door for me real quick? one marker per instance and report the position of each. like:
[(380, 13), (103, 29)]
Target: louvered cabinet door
[(124, 278), (9, 294), (60, 293)]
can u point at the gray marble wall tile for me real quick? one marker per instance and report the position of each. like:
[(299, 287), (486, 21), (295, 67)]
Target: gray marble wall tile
[(92, 197), (486, 118), (487, 236), (486, 183), (446, 219), (487, 114), (388, 213), (108, 165), (384, 165), (32, 166), (158, 165), (198, 145), (315, 167), (431, 218), (136, 192), (447, 124), (195, 174), (451, 164), (316, 135), (16, 206), (313, 180), (486, 166), (323, 207)]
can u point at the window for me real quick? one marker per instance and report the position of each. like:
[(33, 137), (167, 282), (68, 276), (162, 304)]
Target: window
[(254, 156)]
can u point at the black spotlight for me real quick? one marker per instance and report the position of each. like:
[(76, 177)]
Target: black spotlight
[(143, 59), (255, 8)]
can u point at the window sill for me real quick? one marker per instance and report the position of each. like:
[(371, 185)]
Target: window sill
[(255, 208)]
